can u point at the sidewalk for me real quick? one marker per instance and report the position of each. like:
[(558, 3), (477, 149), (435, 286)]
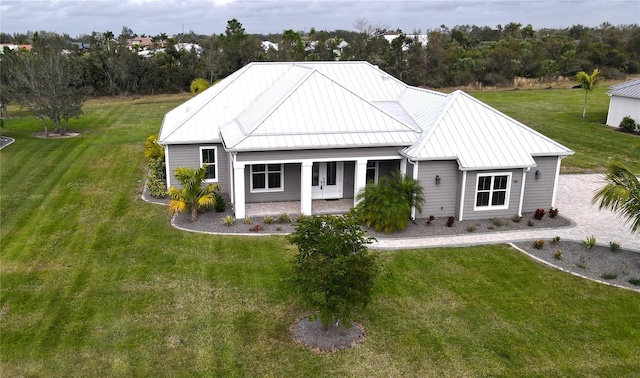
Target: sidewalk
[(574, 202)]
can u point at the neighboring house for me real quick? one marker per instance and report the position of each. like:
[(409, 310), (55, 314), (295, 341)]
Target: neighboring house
[(322, 130), (624, 101)]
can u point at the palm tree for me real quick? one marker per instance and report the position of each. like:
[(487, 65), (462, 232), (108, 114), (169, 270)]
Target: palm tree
[(192, 196), (588, 83), (621, 194)]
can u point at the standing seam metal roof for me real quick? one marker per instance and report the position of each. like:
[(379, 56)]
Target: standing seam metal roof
[(627, 89)]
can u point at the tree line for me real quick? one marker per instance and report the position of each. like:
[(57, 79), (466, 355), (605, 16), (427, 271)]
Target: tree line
[(457, 56)]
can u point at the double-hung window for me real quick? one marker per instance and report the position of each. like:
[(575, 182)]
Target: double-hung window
[(492, 191), (267, 177), (208, 159)]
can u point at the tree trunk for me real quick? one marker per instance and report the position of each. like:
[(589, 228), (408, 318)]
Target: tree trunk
[(194, 213), (46, 130), (584, 108)]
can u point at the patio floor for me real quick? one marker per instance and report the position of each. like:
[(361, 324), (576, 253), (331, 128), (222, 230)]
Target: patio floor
[(293, 207)]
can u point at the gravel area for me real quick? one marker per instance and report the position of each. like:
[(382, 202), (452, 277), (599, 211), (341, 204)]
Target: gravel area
[(212, 221), (598, 263)]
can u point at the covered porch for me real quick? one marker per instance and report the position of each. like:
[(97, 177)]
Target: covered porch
[(338, 206)]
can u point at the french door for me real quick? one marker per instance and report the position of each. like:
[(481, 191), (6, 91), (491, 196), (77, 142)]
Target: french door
[(326, 180)]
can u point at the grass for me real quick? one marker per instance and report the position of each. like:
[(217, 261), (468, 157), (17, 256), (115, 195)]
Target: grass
[(95, 282)]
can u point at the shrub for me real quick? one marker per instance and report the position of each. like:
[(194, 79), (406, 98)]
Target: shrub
[(152, 150), (386, 206), (628, 125), (614, 246), (539, 214), (256, 228), (530, 223), (198, 85), (450, 221), (471, 229), (609, 276), (431, 219), (268, 219), (516, 218), (284, 218), (221, 203), (590, 241), (156, 178), (635, 281), (538, 244), (556, 239), (229, 220), (553, 212), (248, 220), (497, 222), (558, 255)]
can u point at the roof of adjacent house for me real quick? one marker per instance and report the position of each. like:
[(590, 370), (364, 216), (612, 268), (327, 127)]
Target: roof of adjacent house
[(317, 105), (629, 88)]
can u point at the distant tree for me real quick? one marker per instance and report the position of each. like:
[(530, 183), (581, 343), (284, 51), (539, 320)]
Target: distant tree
[(238, 48), (588, 83), (333, 269), (621, 194), (198, 85), (47, 83), (192, 196), (291, 47)]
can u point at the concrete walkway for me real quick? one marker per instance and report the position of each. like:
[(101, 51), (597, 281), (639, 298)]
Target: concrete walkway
[(574, 202)]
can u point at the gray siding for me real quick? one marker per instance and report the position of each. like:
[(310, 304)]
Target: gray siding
[(337, 154), (470, 196), (441, 200), (291, 186), (184, 155), (538, 193)]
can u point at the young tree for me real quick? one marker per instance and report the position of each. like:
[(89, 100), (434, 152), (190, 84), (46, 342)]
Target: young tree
[(333, 270), (588, 83), (192, 196), (621, 194)]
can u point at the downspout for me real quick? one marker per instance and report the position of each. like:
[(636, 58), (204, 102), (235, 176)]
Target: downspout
[(524, 178), (555, 182), (166, 165)]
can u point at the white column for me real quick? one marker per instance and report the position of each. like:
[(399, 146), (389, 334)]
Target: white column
[(462, 195), (360, 180), (305, 187), (238, 189), (414, 173), (403, 166)]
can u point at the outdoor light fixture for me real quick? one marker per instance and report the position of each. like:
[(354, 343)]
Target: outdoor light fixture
[(537, 175), (438, 179)]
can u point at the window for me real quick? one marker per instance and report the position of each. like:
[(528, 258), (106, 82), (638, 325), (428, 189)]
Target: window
[(267, 177), (208, 159), (372, 171), (492, 191)]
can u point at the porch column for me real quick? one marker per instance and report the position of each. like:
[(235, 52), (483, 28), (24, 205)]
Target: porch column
[(238, 190), (360, 180), (305, 187)]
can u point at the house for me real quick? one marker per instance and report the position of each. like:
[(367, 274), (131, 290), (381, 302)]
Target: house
[(624, 101), (321, 130)]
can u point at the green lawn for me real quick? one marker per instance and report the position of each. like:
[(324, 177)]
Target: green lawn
[(95, 282)]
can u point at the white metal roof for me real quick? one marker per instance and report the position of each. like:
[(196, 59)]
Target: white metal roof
[(276, 106), (480, 137), (629, 88)]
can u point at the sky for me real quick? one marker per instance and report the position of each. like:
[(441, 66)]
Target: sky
[(152, 17)]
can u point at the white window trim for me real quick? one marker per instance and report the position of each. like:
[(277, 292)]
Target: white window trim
[(215, 154), (491, 190), (376, 170), (266, 190)]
